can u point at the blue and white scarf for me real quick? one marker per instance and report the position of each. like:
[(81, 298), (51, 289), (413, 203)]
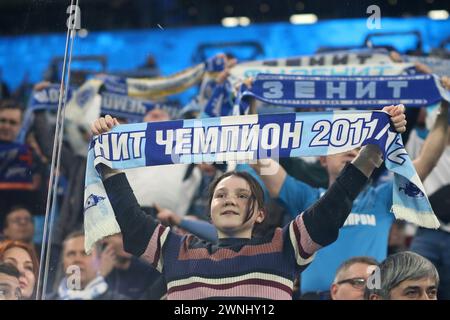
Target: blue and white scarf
[(240, 72), (45, 99), (329, 91), (220, 102), (94, 289), (157, 88), (244, 139), (438, 66), (342, 57)]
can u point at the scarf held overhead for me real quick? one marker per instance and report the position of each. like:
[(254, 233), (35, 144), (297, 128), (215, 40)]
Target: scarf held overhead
[(342, 57), (248, 138), (331, 91)]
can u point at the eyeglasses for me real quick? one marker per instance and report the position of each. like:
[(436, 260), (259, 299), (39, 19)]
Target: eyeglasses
[(357, 283), (21, 220), (9, 121)]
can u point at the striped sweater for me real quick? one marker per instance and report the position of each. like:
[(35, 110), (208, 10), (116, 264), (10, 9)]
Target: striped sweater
[(262, 268)]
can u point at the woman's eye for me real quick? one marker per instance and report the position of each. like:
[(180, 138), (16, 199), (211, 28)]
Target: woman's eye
[(220, 195), (243, 196)]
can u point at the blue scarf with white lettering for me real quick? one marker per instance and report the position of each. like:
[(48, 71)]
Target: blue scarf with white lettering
[(331, 91), (362, 62), (248, 138), (221, 101), (45, 99), (364, 56)]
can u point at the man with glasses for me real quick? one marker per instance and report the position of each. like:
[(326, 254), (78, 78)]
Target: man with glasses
[(9, 282), (351, 278), (19, 226)]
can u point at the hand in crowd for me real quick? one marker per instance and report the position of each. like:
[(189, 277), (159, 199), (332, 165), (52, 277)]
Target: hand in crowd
[(445, 82), (398, 118), (41, 85), (107, 260), (423, 68), (103, 124), (167, 217), (229, 63), (395, 56)]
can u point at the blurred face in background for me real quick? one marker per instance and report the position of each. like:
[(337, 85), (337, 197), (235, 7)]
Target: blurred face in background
[(336, 162), (9, 287), (19, 225), (156, 115), (74, 255), (20, 258), (10, 121)]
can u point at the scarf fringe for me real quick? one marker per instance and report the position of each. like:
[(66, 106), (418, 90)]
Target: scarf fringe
[(97, 229), (421, 218)]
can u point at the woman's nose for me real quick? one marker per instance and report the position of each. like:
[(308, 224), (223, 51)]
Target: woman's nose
[(230, 200)]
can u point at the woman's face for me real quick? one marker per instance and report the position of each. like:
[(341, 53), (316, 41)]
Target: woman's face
[(229, 208), (22, 261)]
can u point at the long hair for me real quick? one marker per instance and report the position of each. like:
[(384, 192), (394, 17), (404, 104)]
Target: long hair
[(257, 193)]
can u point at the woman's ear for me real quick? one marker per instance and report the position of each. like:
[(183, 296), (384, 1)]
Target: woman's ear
[(261, 215)]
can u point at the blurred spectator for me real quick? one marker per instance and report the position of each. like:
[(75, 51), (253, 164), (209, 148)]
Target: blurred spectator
[(23, 257), (20, 168), (397, 237), (351, 278), (150, 68), (4, 91), (404, 276), (435, 244), (127, 274), (10, 120), (9, 282), (19, 226), (83, 280)]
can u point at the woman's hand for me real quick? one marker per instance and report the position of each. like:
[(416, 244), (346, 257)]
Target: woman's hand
[(398, 118), (103, 124)]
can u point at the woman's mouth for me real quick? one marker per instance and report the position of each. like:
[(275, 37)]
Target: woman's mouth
[(23, 284), (229, 212)]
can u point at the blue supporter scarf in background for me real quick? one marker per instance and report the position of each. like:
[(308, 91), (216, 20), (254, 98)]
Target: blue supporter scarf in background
[(160, 87), (244, 139), (16, 162), (362, 56), (438, 66), (44, 99), (240, 72), (123, 106), (353, 92), (220, 103)]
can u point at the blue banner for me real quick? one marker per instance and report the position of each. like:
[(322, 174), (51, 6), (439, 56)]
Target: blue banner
[(349, 92), (246, 139)]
